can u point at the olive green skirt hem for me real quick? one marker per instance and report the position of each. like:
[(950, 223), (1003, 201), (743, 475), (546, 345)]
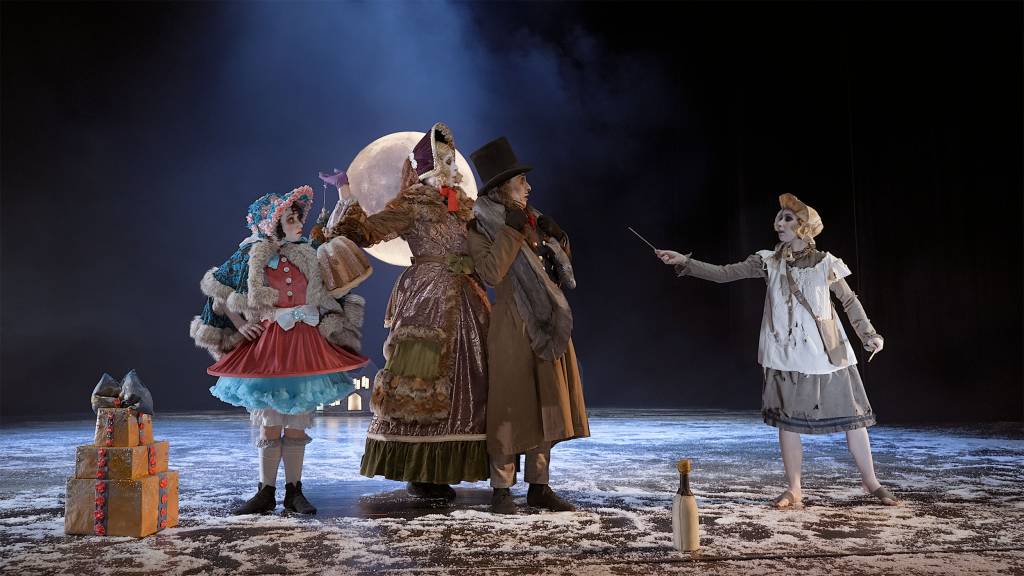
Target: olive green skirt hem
[(434, 462)]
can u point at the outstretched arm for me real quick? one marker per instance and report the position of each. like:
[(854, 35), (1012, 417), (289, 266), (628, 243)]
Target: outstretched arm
[(752, 267), (367, 230)]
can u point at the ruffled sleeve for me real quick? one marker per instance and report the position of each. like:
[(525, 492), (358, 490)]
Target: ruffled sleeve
[(837, 269)]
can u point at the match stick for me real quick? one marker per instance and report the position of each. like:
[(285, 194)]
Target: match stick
[(641, 237)]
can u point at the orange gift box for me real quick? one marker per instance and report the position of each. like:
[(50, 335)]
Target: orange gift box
[(123, 428), (122, 507), (119, 463)]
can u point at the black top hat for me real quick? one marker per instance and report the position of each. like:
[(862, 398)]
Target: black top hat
[(496, 163)]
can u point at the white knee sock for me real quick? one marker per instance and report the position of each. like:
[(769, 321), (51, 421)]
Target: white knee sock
[(792, 458), (294, 451), (270, 460), (860, 446)]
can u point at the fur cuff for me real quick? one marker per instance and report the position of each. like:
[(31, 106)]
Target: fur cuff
[(329, 304), (351, 339), (268, 443), (216, 341), (211, 287), (355, 309), (407, 333), (262, 298), (337, 331), (289, 441), (410, 399), (237, 303)]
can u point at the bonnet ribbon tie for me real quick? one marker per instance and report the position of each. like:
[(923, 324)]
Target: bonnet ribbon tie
[(452, 195)]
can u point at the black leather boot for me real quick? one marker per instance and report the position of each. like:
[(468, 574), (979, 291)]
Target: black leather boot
[(501, 502), (442, 491), (262, 503), (418, 489), (295, 501), (428, 490), (541, 496)]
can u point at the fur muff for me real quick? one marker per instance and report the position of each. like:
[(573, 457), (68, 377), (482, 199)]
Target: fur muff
[(216, 341), (410, 399)]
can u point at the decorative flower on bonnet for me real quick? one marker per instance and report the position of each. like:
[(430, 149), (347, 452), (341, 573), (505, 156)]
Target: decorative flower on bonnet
[(267, 210)]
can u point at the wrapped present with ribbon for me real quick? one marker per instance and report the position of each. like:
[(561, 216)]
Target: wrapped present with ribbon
[(123, 428), (122, 507), (122, 484), (119, 463)]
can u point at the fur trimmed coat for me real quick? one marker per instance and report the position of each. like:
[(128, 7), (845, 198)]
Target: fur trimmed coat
[(435, 372), (530, 401), (239, 285)]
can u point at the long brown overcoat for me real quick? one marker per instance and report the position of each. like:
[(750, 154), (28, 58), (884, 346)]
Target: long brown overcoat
[(530, 401)]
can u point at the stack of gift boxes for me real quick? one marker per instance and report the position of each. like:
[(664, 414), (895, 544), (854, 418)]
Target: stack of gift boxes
[(122, 486)]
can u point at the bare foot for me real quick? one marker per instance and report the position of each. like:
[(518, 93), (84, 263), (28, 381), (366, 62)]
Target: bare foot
[(788, 499), (883, 495)]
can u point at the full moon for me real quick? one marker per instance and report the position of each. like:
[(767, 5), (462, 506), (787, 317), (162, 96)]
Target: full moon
[(374, 179)]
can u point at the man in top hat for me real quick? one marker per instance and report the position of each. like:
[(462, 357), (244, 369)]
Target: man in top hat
[(535, 397)]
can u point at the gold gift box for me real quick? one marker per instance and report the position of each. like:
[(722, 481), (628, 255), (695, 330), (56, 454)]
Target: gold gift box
[(129, 507), (122, 463), (120, 427)]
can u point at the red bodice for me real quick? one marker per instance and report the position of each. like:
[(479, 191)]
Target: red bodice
[(290, 283)]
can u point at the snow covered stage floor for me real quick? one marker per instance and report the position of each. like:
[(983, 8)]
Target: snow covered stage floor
[(963, 512)]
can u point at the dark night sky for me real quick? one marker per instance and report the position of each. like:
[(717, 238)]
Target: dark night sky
[(134, 136)]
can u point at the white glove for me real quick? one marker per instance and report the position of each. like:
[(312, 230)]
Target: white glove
[(672, 258), (874, 344)]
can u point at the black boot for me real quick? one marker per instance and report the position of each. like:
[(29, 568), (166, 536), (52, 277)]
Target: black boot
[(501, 502), (295, 501), (442, 491), (428, 490), (418, 489), (541, 496), (262, 503)]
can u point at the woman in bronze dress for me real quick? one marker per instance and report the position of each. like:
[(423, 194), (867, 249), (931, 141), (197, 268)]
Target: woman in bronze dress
[(429, 400)]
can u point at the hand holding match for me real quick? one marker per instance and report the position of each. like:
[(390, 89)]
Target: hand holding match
[(666, 256), (874, 345), (672, 258)]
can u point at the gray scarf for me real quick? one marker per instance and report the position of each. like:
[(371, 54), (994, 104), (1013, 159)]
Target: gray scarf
[(540, 302)]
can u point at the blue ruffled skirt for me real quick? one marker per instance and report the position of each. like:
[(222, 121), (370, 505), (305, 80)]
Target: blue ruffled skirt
[(287, 394)]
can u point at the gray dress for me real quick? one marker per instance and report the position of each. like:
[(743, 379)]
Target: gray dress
[(794, 401)]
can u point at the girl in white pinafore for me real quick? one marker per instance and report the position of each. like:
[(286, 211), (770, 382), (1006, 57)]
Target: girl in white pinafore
[(811, 382)]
